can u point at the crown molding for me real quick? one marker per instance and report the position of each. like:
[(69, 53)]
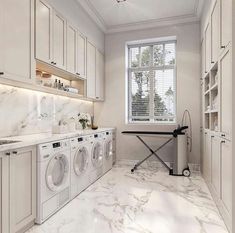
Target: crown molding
[(92, 12), (172, 21), (97, 18)]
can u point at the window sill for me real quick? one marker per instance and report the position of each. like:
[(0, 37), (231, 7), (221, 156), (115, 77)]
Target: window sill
[(152, 123)]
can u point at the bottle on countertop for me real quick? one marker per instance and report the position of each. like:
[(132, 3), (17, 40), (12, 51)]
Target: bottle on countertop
[(55, 84), (59, 85)]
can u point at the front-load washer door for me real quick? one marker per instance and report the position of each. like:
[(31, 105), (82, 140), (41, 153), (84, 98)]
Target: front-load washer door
[(80, 162), (97, 155), (57, 172), (108, 149)]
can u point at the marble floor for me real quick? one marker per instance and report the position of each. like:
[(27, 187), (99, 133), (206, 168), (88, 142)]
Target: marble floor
[(148, 201)]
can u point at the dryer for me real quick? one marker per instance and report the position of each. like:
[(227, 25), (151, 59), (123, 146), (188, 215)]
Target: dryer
[(108, 151), (97, 154), (80, 164), (53, 178)]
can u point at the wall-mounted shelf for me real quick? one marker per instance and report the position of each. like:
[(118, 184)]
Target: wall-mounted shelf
[(35, 87)]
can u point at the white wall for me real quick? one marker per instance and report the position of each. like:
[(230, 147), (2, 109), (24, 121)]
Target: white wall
[(112, 111), (76, 15)]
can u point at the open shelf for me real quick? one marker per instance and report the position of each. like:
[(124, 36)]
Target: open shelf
[(211, 99)]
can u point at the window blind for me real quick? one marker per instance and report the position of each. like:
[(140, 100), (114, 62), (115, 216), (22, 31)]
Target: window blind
[(151, 82)]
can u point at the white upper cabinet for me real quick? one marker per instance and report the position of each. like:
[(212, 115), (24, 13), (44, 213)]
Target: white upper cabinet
[(59, 40), (99, 89), (215, 22), (226, 94), (71, 48), (16, 39), (226, 22), (208, 47), (203, 55), (81, 55), (50, 35), (44, 15), (91, 71)]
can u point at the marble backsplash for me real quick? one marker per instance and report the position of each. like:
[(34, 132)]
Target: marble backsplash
[(29, 112)]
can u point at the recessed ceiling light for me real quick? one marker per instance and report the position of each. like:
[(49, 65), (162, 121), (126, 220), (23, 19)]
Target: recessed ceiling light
[(118, 1)]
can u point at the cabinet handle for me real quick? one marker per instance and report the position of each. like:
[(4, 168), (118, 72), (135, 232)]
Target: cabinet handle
[(78, 73), (223, 141), (222, 47), (15, 152), (212, 62), (212, 136), (223, 135), (55, 63), (8, 153), (1, 73)]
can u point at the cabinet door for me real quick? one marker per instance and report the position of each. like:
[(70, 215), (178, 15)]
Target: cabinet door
[(16, 39), (208, 47), (203, 56), (44, 15), (226, 22), (91, 70), (215, 164), (81, 55), (71, 48), (99, 75), (207, 157), (22, 188), (226, 175), (215, 21), (226, 94), (59, 41), (4, 194)]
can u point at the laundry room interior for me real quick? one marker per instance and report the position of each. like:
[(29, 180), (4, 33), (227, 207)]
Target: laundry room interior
[(116, 116)]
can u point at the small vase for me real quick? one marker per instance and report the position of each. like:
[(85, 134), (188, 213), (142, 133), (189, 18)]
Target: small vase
[(83, 125)]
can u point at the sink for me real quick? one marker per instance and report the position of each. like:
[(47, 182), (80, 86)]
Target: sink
[(4, 142)]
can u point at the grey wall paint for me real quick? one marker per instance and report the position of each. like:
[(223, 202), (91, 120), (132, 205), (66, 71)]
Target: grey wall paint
[(112, 111)]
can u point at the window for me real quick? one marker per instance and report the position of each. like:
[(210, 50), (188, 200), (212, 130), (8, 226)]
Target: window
[(151, 82)]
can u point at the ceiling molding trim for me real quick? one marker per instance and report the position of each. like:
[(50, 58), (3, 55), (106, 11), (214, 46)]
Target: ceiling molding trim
[(94, 15), (153, 23), (97, 18)]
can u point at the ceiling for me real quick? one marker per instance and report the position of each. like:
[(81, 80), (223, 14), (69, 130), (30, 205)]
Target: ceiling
[(135, 14)]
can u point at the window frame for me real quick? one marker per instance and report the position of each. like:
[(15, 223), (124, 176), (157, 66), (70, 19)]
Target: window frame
[(151, 69)]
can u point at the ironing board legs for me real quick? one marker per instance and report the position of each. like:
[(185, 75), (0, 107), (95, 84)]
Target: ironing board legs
[(153, 153)]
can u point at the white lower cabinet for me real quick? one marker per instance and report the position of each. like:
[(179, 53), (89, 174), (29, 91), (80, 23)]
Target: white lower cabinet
[(4, 194), (207, 157), (18, 189), (217, 171), (215, 163), (226, 175)]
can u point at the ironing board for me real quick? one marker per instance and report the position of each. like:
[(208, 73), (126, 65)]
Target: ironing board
[(173, 135)]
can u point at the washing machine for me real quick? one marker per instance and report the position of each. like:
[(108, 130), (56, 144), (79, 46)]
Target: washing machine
[(108, 151), (80, 164), (97, 155), (53, 178)]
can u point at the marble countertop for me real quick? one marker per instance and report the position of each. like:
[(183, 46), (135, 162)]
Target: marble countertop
[(35, 139)]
